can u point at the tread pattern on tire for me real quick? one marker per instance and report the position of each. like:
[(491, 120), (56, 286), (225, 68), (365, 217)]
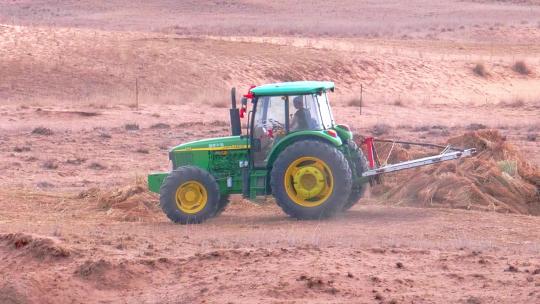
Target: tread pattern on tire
[(341, 173), (174, 180), (360, 165)]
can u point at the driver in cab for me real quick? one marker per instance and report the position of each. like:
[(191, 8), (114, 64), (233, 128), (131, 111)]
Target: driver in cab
[(301, 117)]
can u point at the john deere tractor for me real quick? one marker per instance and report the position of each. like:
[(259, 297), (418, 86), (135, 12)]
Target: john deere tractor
[(291, 148)]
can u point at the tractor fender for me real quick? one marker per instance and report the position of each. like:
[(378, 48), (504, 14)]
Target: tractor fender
[(294, 137)]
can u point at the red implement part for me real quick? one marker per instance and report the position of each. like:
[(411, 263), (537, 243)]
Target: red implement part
[(368, 141)]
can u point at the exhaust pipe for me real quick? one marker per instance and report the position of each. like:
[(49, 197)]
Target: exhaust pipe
[(236, 128)]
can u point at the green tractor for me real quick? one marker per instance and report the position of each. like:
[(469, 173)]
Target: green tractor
[(292, 149)]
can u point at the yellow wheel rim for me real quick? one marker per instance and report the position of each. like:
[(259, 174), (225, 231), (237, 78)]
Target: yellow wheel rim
[(191, 197), (308, 181)]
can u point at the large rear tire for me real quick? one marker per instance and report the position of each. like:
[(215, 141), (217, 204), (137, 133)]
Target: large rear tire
[(189, 195), (311, 180), (360, 165)]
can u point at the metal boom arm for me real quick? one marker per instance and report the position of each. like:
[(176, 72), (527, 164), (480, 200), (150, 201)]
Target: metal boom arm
[(420, 162)]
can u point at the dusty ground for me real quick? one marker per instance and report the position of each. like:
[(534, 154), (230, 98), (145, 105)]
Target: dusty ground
[(71, 67)]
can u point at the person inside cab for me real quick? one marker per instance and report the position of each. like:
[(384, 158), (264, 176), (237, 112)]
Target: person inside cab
[(302, 117)]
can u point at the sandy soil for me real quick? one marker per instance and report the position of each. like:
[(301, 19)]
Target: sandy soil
[(70, 68)]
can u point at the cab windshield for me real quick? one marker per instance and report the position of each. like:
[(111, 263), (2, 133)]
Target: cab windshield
[(309, 112)]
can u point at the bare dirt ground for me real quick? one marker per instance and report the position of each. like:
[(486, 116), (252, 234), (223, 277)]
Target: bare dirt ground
[(78, 226)]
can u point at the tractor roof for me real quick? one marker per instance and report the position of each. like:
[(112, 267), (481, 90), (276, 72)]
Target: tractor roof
[(292, 88)]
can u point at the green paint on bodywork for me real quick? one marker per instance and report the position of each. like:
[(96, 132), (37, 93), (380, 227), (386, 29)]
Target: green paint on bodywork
[(155, 179), (220, 156), (293, 88), (292, 137), (343, 132), (217, 143)]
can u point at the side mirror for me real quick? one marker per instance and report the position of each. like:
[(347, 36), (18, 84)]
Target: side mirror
[(243, 106)]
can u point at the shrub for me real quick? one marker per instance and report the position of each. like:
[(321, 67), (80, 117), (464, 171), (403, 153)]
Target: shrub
[(521, 68), (355, 102), (380, 129), (42, 131), (480, 70), (131, 126)]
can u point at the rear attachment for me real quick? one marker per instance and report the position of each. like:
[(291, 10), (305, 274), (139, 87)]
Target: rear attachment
[(448, 153)]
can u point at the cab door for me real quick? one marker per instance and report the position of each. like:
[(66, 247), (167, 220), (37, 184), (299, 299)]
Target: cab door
[(270, 124)]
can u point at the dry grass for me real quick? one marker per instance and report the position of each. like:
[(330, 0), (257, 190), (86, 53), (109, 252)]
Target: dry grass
[(516, 103), (521, 67), (50, 164), (480, 70), (220, 103), (355, 102), (381, 129), (42, 131), (131, 126), (476, 126)]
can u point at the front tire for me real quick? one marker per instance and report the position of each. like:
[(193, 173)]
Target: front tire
[(311, 180), (189, 195)]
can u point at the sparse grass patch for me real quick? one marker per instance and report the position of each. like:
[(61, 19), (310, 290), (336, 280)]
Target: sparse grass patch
[(355, 102), (399, 102), (50, 164), (21, 149), (219, 103), (380, 129), (219, 123), (96, 166), (75, 161), (44, 185), (421, 129), (42, 131), (105, 135), (476, 126), (160, 125), (516, 103), (521, 67), (131, 127), (480, 70)]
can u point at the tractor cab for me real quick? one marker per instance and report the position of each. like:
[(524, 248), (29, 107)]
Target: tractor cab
[(276, 117)]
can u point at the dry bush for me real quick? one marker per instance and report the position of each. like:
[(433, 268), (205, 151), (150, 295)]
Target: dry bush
[(516, 103), (160, 125), (131, 126), (521, 68), (96, 166), (480, 70), (105, 135), (421, 128), (531, 137), (21, 149), (380, 129), (42, 131), (220, 103), (355, 102), (399, 102), (142, 151), (50, 164), (476, 126)]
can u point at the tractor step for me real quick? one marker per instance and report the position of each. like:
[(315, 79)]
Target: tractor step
[(445, 156)]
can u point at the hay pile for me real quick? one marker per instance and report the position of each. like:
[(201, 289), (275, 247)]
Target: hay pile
[(128, 203), (498, 178)]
